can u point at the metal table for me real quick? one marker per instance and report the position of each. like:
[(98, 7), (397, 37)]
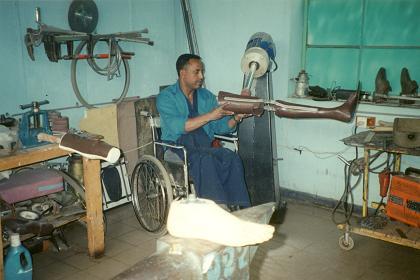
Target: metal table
[(395, 232)]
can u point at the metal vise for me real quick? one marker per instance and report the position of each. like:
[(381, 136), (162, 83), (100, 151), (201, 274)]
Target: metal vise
[(32, 123)]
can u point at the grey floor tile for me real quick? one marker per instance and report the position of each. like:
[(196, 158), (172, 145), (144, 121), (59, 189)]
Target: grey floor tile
[(43, 259), (107, 269), (118, 229), (81, 275), (116, 246), (56, 270), (136, 237), (82, 261), (136, 254), (132, 221)]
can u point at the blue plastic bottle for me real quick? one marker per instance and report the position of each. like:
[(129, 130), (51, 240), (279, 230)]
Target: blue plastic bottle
[(18, 261)]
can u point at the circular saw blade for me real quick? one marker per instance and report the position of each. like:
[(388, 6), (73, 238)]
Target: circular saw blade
[(83, 16)]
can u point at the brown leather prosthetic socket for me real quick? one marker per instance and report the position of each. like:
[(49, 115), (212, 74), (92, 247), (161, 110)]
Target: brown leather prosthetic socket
[(240, 104), (86, 146), (342, 113)]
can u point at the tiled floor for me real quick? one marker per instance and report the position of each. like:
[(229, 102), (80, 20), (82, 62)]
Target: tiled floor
[(305, 246)]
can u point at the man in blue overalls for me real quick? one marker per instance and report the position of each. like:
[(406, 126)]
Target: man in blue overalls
[(190, 116)]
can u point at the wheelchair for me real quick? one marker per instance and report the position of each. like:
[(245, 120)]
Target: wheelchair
[(161, 177)]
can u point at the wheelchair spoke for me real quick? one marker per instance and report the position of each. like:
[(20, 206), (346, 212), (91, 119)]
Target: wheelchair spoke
[(151, 186)]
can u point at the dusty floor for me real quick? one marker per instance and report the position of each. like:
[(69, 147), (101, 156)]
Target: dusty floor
[(305, 246)]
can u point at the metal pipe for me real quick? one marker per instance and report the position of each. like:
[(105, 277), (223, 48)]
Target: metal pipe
[(38, 15), (189, 27), (250, 75)]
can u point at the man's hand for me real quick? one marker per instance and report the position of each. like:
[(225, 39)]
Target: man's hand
[(246, 92), (220, 112)]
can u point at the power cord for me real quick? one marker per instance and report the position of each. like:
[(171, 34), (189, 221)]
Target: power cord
[(347, 200)]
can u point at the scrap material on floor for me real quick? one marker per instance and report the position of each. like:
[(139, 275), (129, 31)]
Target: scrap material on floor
[(304, 246)]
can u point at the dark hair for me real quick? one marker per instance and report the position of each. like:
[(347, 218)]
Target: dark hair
[(183, 60)]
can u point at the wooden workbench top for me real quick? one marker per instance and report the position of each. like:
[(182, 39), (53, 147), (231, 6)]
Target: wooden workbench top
[(32, 155)]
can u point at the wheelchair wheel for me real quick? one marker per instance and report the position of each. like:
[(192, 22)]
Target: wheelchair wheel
[(152, 194)]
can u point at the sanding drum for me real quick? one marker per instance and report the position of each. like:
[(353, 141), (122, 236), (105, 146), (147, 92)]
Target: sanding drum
[(406, 132)]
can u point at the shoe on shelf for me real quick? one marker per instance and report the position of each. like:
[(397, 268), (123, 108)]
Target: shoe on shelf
[(408, 87)]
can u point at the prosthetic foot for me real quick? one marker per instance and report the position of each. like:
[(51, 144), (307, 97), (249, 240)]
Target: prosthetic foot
[(204, 219), (255, 106)]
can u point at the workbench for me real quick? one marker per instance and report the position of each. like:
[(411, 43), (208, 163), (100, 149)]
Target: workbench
[(394, 231), (92, 182)]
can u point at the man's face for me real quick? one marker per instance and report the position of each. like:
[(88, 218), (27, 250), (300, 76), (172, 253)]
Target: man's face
[(192, 75)]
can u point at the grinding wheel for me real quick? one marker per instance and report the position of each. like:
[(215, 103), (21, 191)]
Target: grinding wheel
[(83, 16)]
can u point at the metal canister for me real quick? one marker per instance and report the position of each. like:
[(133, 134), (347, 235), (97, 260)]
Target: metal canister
[(302, 84), (76, 167)]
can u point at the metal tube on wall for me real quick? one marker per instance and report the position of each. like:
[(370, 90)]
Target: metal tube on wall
[(189, 27)]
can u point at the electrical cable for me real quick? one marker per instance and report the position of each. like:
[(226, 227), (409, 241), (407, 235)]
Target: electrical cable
[(347, 199), (275, 66), (316, 153), (111, 69), (114, 60)]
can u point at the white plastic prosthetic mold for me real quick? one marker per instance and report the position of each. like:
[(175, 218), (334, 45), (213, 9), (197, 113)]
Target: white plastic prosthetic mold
[(204, 219)]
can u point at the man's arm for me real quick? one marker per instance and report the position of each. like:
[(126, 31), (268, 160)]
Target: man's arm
[(217, 113)]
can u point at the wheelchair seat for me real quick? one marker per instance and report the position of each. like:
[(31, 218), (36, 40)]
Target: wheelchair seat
[(171, 156)]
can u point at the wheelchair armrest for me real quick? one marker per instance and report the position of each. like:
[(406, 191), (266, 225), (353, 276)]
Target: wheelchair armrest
[(174, 147), (227, 137)]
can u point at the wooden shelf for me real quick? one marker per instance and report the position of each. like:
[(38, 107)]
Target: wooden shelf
[(56, 220)]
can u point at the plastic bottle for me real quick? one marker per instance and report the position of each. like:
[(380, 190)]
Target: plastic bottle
[(18, 261)]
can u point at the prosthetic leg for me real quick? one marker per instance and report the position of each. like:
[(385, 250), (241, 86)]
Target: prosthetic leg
[(240, 104), (89, 148)]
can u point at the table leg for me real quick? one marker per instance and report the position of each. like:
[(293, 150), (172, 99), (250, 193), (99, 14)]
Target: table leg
[(365, 183), (94, 214)]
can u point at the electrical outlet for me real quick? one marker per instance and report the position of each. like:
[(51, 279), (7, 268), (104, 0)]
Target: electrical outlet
[(371, 122), (361, 121), (365, 121)]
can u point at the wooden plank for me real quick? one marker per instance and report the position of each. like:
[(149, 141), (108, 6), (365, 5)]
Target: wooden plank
[(94, 214), (30, 156), (395, 232), (394, 238)]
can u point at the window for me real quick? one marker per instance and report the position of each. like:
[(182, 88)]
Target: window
[(349, 40)]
